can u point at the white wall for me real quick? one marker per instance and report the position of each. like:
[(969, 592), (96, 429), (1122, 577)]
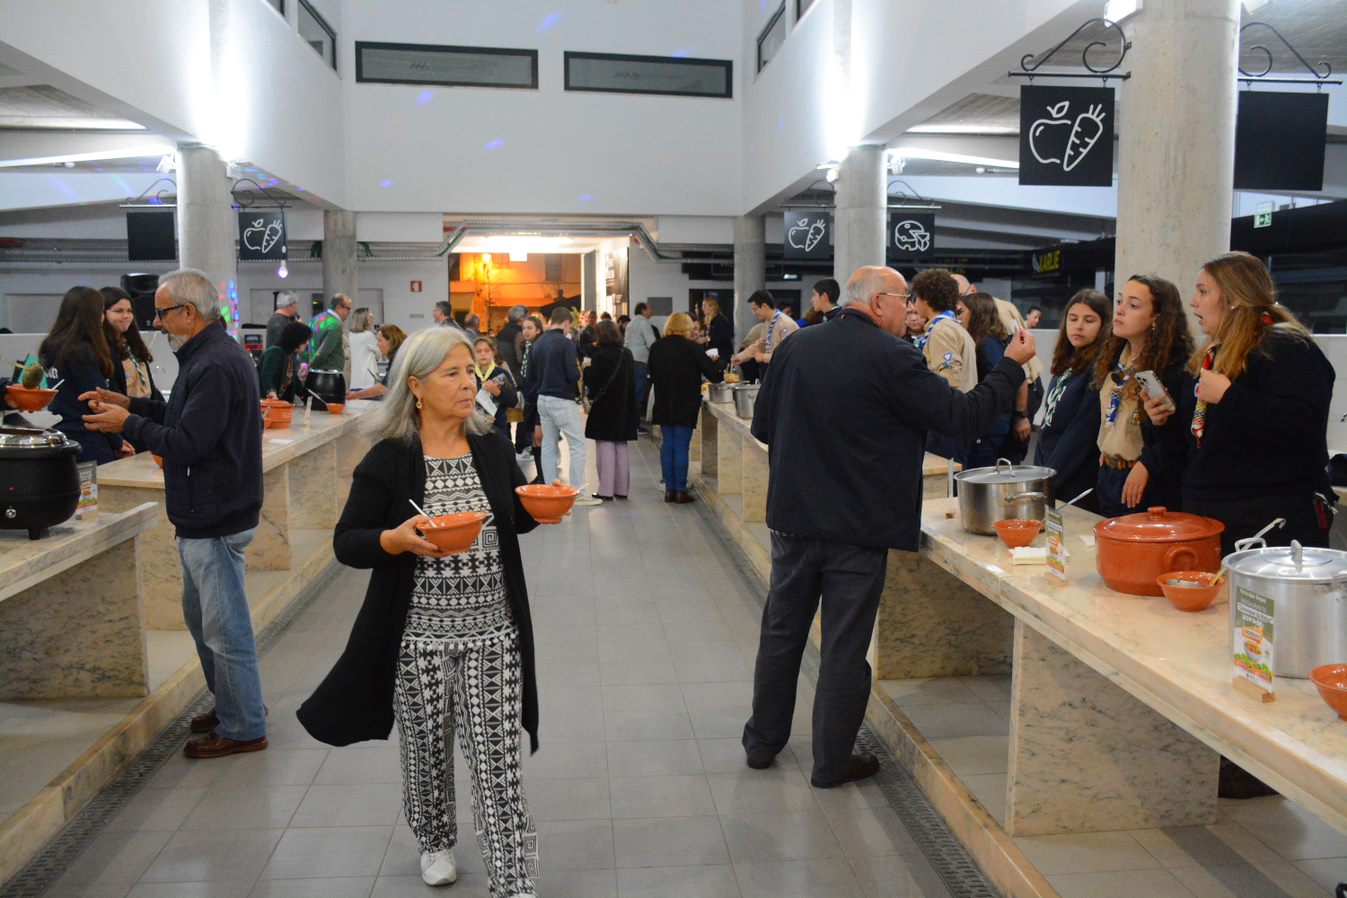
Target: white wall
[(562, 152)]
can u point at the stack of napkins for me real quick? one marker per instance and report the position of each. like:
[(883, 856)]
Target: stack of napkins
[(1029, 555)]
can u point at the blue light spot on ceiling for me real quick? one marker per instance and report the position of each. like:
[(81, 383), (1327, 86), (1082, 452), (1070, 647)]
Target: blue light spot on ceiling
[(549, 21), (587, 197), (682, 54), (300, 189), (495, 143), (386, 183), (781, 122), (63, 187), (424, 97), (153, 200)]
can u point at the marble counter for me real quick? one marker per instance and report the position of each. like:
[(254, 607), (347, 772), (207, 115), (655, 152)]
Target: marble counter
[(1156, 750), (306, 477), (71, 618)]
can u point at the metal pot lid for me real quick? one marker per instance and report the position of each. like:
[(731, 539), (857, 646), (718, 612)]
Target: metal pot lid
[(32, 438), (745, 386), (325, 371), (1158, 524), (1005, 472), (1293, 562)]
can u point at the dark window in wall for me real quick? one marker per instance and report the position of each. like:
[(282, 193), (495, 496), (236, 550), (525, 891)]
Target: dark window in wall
[(317, 33), (668, 75), (446, 66), (772, 37), (802, 7), (278, 5)]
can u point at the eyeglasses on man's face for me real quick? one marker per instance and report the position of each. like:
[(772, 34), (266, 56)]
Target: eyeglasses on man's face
[(160, 313), (902, 296)]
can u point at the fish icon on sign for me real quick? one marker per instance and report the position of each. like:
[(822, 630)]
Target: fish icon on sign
[(911, 237)]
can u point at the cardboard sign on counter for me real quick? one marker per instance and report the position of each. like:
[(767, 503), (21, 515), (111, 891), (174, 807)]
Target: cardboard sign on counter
[(1253, 637), (87, 508), (1056, 531)]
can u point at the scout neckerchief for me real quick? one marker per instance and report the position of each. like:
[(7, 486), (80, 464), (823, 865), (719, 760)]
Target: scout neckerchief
[(1200, 411), (1055, 396), (930, 326), (1118, 380), (767, 341)]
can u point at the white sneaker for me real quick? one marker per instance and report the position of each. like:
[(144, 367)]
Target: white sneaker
[(438, 868), (585, 501)]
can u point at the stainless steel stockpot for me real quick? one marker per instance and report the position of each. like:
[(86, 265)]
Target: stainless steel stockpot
[(721, 392), (745, 395), (1309, 589), (988, 495)]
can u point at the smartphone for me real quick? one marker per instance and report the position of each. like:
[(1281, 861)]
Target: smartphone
[(1151, 386)]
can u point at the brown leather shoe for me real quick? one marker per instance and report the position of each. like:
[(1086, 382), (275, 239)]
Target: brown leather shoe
[(682, 497), (213, 745), (668, 495), (863, 766), (206, 723)]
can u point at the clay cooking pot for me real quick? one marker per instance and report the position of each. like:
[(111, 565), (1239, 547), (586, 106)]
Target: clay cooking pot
[(1133, 550)]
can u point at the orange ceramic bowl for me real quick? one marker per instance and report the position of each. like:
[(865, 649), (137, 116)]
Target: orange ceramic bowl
[(1331, 681), (276, 413), (1016, 533), (546, 503), (158, 459), (454, 532), (30, 399), (1189, 598), (336, 408)]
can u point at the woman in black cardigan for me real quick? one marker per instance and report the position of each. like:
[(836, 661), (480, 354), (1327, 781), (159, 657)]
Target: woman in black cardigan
[(719, 331), (610, 385), (444, 642), (677, 366)]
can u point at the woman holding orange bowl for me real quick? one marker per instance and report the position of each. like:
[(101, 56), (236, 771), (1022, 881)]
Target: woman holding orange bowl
[(444, 642)]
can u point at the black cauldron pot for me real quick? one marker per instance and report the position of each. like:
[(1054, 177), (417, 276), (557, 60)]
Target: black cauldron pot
[(39, 483), (329, 386)]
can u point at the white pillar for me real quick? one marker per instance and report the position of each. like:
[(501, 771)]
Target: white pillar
[(207, 224), (1176, 147), (339, 254), (750, 269), (862, 203)]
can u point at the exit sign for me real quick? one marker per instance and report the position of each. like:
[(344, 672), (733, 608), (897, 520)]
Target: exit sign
[(1263, 217)]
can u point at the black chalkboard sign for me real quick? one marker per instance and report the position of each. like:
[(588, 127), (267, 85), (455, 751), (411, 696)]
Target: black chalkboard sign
[(807, 234), (1066, 136), (1279, 141), (150, 237), (262, 236), (911, 235)]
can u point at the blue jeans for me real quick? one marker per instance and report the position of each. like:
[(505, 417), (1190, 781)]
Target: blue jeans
[(673, 456), (215, 607), (640, 375)]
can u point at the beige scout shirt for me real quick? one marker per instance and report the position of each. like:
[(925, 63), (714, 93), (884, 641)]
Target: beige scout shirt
[(778, 328), (951, 354), (1121, 437)]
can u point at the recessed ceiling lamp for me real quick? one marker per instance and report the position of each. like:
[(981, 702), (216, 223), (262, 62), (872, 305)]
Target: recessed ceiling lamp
[(1117, 10)]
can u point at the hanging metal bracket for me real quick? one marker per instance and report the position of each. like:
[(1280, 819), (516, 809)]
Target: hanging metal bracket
[(1029, 68), (1319, 71), (242, 201), (156, 200)]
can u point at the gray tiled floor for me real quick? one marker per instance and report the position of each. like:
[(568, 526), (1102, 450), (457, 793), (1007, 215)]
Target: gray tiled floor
[(645, 637)]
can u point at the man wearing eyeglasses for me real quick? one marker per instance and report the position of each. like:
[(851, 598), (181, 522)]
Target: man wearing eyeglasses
[(328, 347), (845, 487), (210, 437)]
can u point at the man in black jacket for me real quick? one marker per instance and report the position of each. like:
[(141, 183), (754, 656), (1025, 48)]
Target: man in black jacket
[(844, 488), (554, 377), (210, 437)]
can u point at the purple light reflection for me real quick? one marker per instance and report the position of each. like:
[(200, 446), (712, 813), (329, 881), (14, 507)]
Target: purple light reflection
[(424, 97), (549, 21)]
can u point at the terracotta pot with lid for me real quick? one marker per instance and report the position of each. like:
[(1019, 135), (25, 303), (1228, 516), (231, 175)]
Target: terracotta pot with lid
[(1132, 550)]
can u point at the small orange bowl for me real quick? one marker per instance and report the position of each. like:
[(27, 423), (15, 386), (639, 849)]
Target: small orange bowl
[(546, 503), (1189, 598), (335, 408), (30, 399), (454, 532), (1016, 533), (158, 459), (1331, 681)]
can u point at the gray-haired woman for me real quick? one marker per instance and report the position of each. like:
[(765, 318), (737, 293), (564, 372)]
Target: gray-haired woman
[(444, 642)]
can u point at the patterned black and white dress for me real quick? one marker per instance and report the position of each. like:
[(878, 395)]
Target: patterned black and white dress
[(459, 672)]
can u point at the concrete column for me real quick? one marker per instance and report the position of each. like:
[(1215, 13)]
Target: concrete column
[(207, 226), (339, 252), (862, 201), (1175, 191), (589, 282), (750, 269)]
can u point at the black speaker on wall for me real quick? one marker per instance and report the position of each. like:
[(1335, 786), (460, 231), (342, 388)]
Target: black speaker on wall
[(151, 237), (141, 288)]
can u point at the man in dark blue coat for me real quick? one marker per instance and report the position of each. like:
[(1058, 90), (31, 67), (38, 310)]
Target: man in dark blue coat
[(844, 488), (210, 437)]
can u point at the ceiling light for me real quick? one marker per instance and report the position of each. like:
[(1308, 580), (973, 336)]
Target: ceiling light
[(519, 255), (140, 152), (907, 153), (1117, 10), (951, 128), (282, 271)]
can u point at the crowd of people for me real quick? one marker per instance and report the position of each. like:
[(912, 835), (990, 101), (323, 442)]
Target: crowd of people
[(1233, 428)]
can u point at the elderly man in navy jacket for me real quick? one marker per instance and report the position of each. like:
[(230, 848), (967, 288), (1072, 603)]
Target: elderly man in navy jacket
[(210, 437), (844, 488)]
